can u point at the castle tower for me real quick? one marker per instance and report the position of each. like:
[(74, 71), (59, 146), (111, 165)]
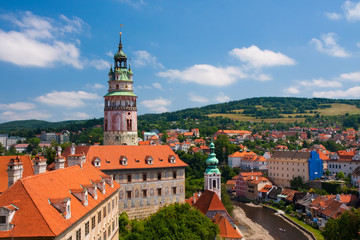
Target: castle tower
[(120, 112), (212, 174)]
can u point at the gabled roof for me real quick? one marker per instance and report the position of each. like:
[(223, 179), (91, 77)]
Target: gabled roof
[(35, 216), (226, 229), (209, 201), (4, 160)]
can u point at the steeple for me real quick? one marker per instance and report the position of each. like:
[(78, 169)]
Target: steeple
[(120, 58), (212, 174)]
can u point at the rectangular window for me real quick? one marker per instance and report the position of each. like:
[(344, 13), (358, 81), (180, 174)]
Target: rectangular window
[(174, 174), (159, 176), (93, 222), (104, 235), (129, 178), (112, 207), (99, 216), (159, 191), (78, 234), (87, 228), (104, 211), (144, 193), (2, 219), (128, 194), (109, 208), (144, 177), (113, 225), (174, 190), (109, 230)]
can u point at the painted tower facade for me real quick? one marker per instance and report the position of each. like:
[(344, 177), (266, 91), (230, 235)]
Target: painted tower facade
[(212, 174), (120, 112)]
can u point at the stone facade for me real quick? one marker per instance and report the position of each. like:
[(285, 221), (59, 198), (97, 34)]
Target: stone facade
[(144, 191)]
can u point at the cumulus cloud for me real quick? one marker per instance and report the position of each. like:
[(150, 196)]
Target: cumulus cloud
[(354, 76), (353, 92), (205, 75), (71, 99), (333, 16), (157, 105), (256, 57), (99, 64), (351, 10), (42, 42), (157, 85), (292, 90), (18, 106), (76, 115), (143, 58), (327, 44), (12, 116), (321, 83), (222, 97), (197, 98)]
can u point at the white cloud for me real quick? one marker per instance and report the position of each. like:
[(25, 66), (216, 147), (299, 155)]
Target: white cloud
[(18, 106), (110, 54), (333, 16), (157, 85), (328, 45), (261, 58), (353, 92), (134, 3), (291, 90), (157, 105), (205, 75), (143, 58), (95, 86), (67, 99), (43, 42), (222, 97), (354, 76), (11, 116), (76, 115), (321, 83), (351, 10), (100, 64), (261, 76), (197, 98)]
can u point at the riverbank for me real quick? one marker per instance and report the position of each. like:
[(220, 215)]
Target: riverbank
[(253, 230)]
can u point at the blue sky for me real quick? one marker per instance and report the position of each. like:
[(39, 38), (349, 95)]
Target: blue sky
[(55, 55)]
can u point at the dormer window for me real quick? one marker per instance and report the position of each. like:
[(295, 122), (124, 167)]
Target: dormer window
[(96, 162), (149, 160), (123, 160), (6, 215), (81, 194), (101, 186), (171, 159), (92, 189), (62, 205)]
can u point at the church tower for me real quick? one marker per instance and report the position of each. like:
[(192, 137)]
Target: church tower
[(120, 112), (212, 174)]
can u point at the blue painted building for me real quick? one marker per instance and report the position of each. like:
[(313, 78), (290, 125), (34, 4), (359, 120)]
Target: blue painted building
[(316, 169)]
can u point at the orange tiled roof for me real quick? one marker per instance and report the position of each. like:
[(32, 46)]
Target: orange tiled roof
[(241, 154), (35, 216), (233, 132), (266, 188), (109, 156), (208, 201), (4, 160), (226, 229), (231, 182), (144, 142)]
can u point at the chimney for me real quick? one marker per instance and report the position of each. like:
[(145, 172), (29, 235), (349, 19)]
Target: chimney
[(72, 149), (39, 165), (15, 170), (78, 159), (59, 162), (59, 151)]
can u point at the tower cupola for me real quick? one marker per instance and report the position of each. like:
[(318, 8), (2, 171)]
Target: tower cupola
[(120, 58), (212, 175)]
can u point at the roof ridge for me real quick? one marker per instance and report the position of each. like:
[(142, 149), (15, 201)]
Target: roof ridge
[(21, 181)]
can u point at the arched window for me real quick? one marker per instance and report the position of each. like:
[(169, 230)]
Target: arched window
[(214, 183), (129, 124)]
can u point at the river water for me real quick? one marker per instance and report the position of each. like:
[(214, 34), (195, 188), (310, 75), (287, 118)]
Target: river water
[(271, 222)]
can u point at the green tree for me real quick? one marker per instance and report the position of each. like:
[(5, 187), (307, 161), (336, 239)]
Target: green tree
[(340, 175), (345, 227), (297, 183), (225, 199), (2, 150)]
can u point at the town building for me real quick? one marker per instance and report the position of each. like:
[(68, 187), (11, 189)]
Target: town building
[(285, 165), (78, 202), (120, 112), (247, 160), (151, 176), (345, 161), (248, 184)]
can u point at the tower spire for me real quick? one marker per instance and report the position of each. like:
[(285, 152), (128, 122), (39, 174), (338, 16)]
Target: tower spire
[(212, 174)]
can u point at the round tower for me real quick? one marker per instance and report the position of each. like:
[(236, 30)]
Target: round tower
[(212, 174), (120, 112)]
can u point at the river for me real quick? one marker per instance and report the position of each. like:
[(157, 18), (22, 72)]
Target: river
[(267, 219)]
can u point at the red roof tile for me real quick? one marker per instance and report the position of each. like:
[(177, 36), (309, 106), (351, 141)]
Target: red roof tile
[(226, 229), (209, 201)]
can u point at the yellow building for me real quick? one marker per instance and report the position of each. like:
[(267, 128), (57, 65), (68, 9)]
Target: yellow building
[(285, 165)]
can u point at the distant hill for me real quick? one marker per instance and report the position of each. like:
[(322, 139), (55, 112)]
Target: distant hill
[(269, 109)]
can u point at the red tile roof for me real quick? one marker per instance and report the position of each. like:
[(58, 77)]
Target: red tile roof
[(109, 156), (35, 216), (226, 229), (209, 201), (4, 160)]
